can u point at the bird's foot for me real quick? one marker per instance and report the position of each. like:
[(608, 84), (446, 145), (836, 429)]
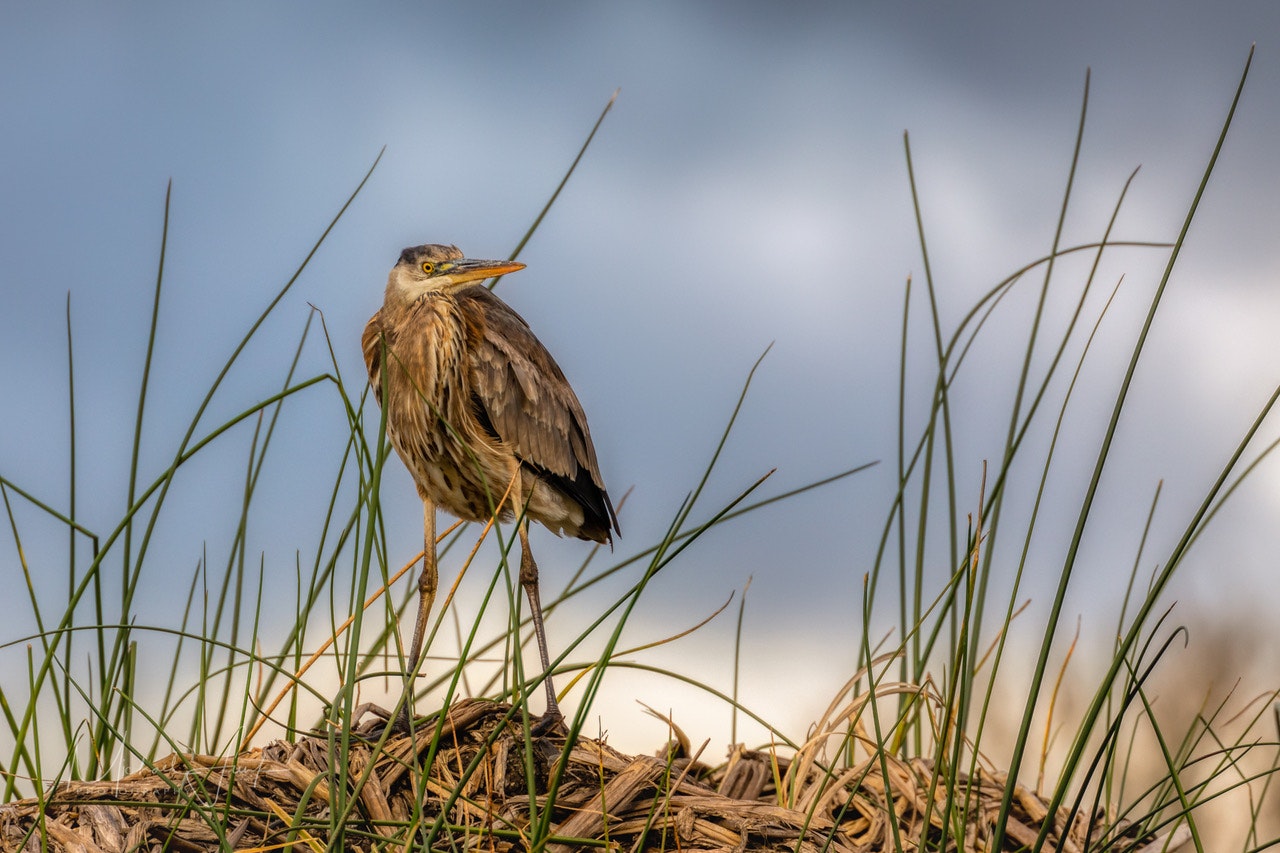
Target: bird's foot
[(402, 724), (552, 722)]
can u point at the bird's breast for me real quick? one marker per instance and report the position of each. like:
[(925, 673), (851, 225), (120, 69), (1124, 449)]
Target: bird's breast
[(431, 421)]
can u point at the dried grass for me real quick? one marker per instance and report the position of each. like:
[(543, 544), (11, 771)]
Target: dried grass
[(279, 796)]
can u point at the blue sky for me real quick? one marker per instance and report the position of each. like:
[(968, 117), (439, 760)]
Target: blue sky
[(748, 188)]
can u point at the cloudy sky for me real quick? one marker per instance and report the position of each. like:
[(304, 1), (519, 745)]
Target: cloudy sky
[(748, 188)]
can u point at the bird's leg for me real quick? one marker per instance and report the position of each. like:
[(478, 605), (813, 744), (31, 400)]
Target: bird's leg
[(427, 583), (529, 580)]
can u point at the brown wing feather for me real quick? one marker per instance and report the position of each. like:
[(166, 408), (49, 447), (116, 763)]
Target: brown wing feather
[(529, 404), (371, 345)]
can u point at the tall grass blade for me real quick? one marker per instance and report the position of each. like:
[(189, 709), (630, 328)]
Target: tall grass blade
[(1015, 761)]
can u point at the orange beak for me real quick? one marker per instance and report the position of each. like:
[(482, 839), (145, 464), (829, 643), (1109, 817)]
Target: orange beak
[(467, 269)]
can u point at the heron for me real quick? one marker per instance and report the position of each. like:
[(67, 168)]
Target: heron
[(477, 408)]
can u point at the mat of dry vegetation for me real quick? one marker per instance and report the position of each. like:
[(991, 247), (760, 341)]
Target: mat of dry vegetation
[(282, 795)]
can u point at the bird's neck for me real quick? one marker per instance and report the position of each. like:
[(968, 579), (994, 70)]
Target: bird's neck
[(433, 322)]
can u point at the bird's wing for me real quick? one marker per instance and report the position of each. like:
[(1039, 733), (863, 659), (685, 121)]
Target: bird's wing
[(371, 344), (527, 401)]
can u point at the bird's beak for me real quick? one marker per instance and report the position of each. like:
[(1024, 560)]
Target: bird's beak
[(467, 269)]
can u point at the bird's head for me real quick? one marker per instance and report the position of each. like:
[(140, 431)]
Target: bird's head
[(434, 269)]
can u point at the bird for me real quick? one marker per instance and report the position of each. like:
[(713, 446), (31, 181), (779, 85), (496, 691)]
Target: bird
[(476, 407)]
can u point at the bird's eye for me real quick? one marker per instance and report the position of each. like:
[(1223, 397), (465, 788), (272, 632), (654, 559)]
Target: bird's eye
[(428, 267)]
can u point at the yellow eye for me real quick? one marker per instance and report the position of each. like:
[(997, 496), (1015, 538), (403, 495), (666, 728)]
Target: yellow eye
[(428, 267)]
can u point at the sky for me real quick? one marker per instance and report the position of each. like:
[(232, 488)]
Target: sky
[(748, 191)]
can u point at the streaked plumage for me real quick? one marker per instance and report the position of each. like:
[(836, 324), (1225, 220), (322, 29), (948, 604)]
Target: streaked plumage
[(473, 399)]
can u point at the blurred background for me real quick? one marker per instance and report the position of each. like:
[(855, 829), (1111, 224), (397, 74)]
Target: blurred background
[(749, 188)]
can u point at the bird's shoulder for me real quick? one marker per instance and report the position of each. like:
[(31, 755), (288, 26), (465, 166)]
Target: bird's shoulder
[(499, 339), (480, 309), (371, 345)]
